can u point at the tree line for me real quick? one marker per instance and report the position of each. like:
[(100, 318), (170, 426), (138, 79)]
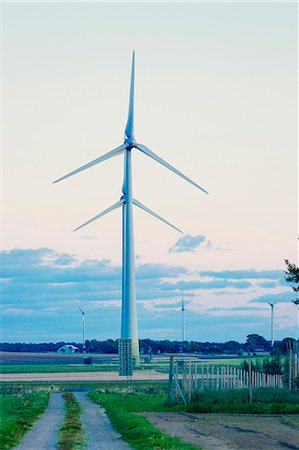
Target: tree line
[(254, 343)]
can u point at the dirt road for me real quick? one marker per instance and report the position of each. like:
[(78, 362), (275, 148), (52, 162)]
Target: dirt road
[(144, 375), (231, 432)]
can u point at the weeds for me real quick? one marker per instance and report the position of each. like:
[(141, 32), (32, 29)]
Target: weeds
[(71, 435)]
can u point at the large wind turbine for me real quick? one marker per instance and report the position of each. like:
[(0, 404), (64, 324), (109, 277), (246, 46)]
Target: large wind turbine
[(129, 331)]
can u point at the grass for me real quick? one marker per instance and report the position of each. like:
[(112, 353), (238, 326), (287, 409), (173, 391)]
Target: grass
[(56, 368), (71, 434), (264, 401), (18, 413), (59, 368), (137, 430)]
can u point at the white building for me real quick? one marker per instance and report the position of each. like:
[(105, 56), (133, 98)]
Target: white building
[(68, 348)]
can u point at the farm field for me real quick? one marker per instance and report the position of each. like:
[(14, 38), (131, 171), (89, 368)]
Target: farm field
[(82, 376), (15, 358)]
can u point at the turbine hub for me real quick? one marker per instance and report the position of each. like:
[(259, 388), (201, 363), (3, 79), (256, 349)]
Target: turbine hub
[(130, 141)]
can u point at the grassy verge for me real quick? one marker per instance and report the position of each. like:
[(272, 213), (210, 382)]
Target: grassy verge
[(71, 435), (56, 368), (136, 430), (18, 413), (264, 401)]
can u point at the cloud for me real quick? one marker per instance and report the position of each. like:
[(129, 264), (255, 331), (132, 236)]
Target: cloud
[(245, 274), (188, 243), (39, 285), (159, 270), (280, 297), (214, 284)]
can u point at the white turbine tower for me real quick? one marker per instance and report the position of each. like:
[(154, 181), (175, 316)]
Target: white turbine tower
[(272, 322), (183, 319), (83, 328), (129, 333)]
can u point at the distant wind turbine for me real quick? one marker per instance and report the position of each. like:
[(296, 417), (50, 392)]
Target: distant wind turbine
[(272, 322), (129, 314), (296, 303), (83, 328), (183, 319)]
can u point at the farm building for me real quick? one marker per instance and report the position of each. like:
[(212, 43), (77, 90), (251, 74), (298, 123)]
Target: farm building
[(68, 348)]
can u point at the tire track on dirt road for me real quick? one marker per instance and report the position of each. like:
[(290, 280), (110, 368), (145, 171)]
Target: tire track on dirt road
[(99, 433), (44, 433)]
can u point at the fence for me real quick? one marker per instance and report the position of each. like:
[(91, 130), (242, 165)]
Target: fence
[(185, 376)]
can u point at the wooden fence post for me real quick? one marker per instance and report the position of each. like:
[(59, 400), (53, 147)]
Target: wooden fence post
[(249, 382), (170, 379)]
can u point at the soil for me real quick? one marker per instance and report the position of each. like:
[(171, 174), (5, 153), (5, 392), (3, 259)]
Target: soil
[(231, 432), (53, 358)]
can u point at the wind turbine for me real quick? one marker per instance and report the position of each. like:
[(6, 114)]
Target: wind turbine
[(272, 322), (83, 328), (183, 319), (129, 332), (296, 303)]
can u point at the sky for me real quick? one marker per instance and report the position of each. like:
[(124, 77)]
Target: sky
[(215, 96)]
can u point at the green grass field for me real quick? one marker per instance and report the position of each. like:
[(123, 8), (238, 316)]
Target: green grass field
[(58, 368), (18, 412), (264, 401)]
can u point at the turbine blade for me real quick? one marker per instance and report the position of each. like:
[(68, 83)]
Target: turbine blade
[(114, 152), (140, 205), (79, 308), (157, 158), (101, 214), (129, 131)]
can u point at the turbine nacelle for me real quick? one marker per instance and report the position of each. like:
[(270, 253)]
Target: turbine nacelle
[(130, 142)]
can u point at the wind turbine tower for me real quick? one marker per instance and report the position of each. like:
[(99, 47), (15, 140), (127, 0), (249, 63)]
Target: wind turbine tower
[(83, 328), (272, 322), (296, 303), (183, 319), (129, 332)]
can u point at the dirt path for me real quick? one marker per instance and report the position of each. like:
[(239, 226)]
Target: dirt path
[(99, 433), (146, 375), (44, 433), (231, 432)]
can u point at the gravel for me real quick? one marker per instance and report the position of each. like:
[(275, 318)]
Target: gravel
[(44, 433), (99, 433)]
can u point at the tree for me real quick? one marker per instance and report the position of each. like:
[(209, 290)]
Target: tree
[(292, 275), (255, 340)]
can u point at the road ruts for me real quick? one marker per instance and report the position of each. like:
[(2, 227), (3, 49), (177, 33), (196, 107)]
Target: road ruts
[(99, 433), (44, 433)]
